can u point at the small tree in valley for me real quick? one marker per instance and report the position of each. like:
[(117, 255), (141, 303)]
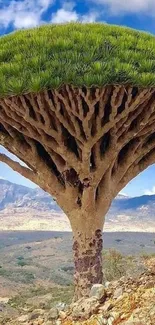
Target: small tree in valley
[(78, 108)]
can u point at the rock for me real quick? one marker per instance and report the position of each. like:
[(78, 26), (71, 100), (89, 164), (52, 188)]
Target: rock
[(115, 315), (149, 285), (36, 313), (4, 300), (62, 314), (107, 306), (58, 322), (61, 306), (23, 318), (100, 320), (107, 283), (123, 278), (117, 293), (84, 308), (2, 307), (38, 321), (98, 291), (53, 314), (110, 321), (114, 283)]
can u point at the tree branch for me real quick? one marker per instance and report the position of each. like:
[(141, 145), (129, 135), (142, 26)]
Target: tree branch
[(24, 171), (138, 167)]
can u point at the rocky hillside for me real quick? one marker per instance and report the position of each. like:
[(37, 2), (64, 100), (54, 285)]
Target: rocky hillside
[(127, 301), (33, 209), (18, 196)]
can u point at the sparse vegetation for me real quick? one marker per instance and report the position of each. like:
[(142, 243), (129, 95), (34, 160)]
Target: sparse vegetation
[(147, 256), (58, 294), (22, 263), (116, 265), (18, 276), (20, 258)]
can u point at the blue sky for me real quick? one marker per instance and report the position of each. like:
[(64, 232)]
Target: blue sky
[(138, 14)]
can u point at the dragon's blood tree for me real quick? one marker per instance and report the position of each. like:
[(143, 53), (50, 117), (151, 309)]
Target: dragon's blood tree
[(77, 107)]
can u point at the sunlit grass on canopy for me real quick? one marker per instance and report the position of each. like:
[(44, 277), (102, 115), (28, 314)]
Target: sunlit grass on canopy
[(78, 54)]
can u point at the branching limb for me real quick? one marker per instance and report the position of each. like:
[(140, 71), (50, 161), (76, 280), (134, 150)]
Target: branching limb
[(80, 143), (139, 166), (24, 171)]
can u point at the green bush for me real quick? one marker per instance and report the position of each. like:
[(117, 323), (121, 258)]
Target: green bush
[(22, 263), (20, 258)]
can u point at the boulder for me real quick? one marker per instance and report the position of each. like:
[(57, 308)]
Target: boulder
[(98, 291), (118, 293), (106, 307), (84, 308), (62, 314), (23, 318), (36, 314)]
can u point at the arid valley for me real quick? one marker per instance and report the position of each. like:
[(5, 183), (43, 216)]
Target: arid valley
[(36, 261)]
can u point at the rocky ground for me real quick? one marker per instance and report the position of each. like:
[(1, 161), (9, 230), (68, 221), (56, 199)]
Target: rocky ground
[(127, 301)]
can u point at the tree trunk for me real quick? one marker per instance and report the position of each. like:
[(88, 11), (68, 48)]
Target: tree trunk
[(87, 250), (88, 262)]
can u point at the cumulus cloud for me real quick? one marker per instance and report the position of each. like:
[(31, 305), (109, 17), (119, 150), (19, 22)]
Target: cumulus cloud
[(23, 13), (150, 192), (29, 13), (68, 13), (65, 14), (124, 6)]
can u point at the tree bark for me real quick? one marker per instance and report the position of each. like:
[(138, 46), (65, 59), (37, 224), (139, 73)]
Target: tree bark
[(88, 262), (87, 252)]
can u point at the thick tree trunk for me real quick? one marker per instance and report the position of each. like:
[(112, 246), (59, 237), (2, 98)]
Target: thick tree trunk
[(87, 249)]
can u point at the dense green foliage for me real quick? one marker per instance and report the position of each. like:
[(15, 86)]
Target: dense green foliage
[(78, 54)]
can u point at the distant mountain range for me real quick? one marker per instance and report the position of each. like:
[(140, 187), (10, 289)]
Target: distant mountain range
[(23, 208), (19, 196)]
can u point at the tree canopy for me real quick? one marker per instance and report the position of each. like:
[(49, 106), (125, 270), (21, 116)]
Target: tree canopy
[(79, 54)]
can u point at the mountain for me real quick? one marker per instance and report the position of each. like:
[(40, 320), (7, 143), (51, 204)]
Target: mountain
[(23, 208), (19, 196)]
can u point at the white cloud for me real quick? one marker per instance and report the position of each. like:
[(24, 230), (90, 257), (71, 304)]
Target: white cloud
[(28, 13), (68, 13), (26, 21), (23, 13), (90, 17), (2, 178), (124, 6), (64, 15), (150, 192), (123, 193)]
